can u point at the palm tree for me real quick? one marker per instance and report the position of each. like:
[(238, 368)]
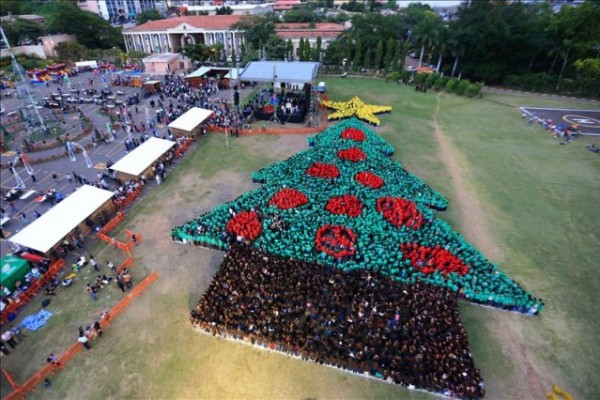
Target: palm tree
[(426, 32)]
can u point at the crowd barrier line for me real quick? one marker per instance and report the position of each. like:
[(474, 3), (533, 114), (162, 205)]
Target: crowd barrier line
[(48, 369), (32, 290)]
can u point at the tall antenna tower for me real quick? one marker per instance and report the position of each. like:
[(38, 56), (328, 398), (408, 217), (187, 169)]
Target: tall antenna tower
[(37, 118)]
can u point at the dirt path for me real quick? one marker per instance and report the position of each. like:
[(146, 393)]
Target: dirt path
[(504, 327), (468, 203)]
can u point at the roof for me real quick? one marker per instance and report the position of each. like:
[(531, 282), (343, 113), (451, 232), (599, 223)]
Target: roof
[(286, 4), (199, 72), (280, 71), (299, 29), (45, 232), (163, 57), (321, 26), (196, 21), (136, 162), (191, 119)]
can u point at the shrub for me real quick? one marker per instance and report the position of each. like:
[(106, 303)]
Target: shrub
[(441, 83), (474, 89), (420, 78), (431, 79), (451, 85), (463, 86), (394, 76)]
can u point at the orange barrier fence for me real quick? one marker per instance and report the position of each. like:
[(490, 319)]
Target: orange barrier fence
[(110, 225), (32, 290), (183, 146), (31, 384), (130, 198)]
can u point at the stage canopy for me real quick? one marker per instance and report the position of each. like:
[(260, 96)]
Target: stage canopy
[(48, 230), (189, 121), (140, 159), (280, 71)]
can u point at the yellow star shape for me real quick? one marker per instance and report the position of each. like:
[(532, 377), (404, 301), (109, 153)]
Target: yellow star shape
[(355, 106)]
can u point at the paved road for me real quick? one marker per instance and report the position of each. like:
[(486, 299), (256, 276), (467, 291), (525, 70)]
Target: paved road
[(52, 174)]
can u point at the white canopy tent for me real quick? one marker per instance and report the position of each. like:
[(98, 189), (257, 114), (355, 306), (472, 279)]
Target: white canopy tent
[(139, 160), (280, 71), (53, 226), (188, 123), (80, 65)]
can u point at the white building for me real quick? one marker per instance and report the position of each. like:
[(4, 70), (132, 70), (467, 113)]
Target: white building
[(120, 11), (170, 35)]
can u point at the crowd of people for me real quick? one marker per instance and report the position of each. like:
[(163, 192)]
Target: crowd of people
[(181, 96), (360, 321), (285, 104), (374, 234), (560, 130)]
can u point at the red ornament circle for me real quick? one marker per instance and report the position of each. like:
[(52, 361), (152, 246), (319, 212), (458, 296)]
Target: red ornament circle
[(245, 224), (369, 179), (353, 154), (429, 260), (322, 170), (336, 241), (399, 212), (288, 198), (346, 204), (353, 134)]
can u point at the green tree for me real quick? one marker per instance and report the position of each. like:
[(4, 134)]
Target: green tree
[(92, 30), (202, 52), (378, 54), (396, 56), (389, 53), (318, 49), (301, 49), (224, 10), (257, 28), (358, 55), (149, 15), (72, 51), (577, 30), (304, 13), (289, 50), (368, 51), (426, 32), (21, 30)]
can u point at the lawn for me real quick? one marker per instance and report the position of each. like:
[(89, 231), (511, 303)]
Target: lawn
[(526, 202)]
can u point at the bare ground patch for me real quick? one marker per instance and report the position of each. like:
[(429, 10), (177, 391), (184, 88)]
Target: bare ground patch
[(505, 327)]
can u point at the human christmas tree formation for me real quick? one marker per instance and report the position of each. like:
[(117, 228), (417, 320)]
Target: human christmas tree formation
[(344, 203)]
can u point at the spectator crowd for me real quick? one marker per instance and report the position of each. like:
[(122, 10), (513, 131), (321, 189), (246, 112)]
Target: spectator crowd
[(359, 320)]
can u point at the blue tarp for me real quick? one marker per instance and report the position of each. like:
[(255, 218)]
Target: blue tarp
[(36, 321)]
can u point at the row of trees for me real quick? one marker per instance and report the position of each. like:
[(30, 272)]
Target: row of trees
[(489, 41), (62, 16)]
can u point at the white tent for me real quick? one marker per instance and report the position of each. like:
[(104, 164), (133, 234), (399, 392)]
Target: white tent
[(280, 71), (82, 64), (191, 119), (142, 158), (52, 227)]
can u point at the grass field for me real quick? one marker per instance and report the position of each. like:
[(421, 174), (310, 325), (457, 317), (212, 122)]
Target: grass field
[(526, 202)]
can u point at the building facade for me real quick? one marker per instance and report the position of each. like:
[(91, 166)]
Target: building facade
[(120, 11), (299, 30), (170, 35)]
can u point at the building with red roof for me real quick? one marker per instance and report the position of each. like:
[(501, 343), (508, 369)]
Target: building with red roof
[(295, 31), (171, 34)]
